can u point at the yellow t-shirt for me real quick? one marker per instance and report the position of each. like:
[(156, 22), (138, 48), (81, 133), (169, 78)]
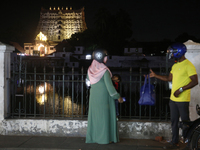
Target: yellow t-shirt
[(181, 72)]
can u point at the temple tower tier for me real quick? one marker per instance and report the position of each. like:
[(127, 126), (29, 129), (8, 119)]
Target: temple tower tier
[(60, 23)]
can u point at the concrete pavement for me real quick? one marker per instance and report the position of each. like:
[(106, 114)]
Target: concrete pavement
[(74, 143)]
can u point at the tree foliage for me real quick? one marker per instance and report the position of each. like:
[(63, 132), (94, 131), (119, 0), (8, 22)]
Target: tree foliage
[(110, 32), (185, 37)]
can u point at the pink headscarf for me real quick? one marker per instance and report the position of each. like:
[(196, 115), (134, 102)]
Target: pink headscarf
[(96, 71)]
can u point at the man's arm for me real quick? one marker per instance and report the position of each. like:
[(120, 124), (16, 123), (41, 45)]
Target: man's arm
[(194, 82), (164, 78)]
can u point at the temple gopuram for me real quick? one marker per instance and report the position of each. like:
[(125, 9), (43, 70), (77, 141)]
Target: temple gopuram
[(58, 24), (55, 25)]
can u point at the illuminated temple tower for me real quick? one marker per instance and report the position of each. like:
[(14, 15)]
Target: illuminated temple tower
[(54, 26), (58, 24)]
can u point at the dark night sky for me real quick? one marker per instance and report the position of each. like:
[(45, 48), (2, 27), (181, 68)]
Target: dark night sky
[(152, 20)]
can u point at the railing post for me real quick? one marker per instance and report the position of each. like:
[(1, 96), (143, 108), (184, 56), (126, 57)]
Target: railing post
[(25, 80), (34, 91), (63, 108), (160, 95), (82, 92), (140, 114), (13, 90), (44, 91), (20, 70), (130, 91), (54, 91), (72, 92)]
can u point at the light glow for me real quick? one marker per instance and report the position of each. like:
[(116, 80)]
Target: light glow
[(42, 51), (170, 85), (41, 37), (41, 45), (88, 57), (41, 88), (41, 99)]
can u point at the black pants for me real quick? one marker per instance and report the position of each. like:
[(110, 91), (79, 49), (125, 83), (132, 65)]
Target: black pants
[(178, 109)]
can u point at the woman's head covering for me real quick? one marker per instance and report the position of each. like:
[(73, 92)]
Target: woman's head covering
[(98, 68)]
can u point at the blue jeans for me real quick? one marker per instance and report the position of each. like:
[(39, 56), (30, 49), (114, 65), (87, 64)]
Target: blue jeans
[(116, 106)]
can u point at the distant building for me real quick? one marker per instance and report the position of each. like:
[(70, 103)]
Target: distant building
[(59, 24), (133, 51), (65, 51), (135, 61)]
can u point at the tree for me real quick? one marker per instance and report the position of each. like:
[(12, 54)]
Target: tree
[(87, 39), (102, 19), (110, 32), (113, 30), (121, 31), (185, 37)]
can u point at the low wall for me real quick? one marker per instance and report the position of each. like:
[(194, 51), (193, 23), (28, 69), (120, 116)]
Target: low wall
[(78, 128)]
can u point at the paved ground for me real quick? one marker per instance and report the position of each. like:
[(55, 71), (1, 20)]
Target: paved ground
[(74, 143)]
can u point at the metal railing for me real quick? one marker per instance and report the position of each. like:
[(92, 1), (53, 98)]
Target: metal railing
[(61, 93)]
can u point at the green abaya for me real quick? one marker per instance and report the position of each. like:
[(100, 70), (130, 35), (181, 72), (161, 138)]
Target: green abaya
[(102, 124)]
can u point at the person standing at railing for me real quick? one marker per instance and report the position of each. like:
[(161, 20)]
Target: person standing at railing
[(184, 77), (102, 124), (116, 80)]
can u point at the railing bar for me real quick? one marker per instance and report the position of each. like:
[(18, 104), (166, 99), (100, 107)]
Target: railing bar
[(135, 97), (25, 88), (34, 91), (20, 69), (130, 91), (44, 91), (13, 89), (77, 90), (30, 97), (53, 91), (120, 106), (72, 91), (63, 98), (57, 80), (19, 109), (68, 96), (140, 114), (149, 112), (49, 98), (82, 92), (160, 96)]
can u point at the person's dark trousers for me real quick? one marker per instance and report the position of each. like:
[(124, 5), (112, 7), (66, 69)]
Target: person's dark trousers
[(116, 106), (178, 109)]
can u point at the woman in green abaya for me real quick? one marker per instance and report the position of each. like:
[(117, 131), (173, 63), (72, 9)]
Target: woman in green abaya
[(102, 124)]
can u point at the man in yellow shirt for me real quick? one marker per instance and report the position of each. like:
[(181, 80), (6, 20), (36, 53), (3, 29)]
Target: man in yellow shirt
[(184, 77)]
